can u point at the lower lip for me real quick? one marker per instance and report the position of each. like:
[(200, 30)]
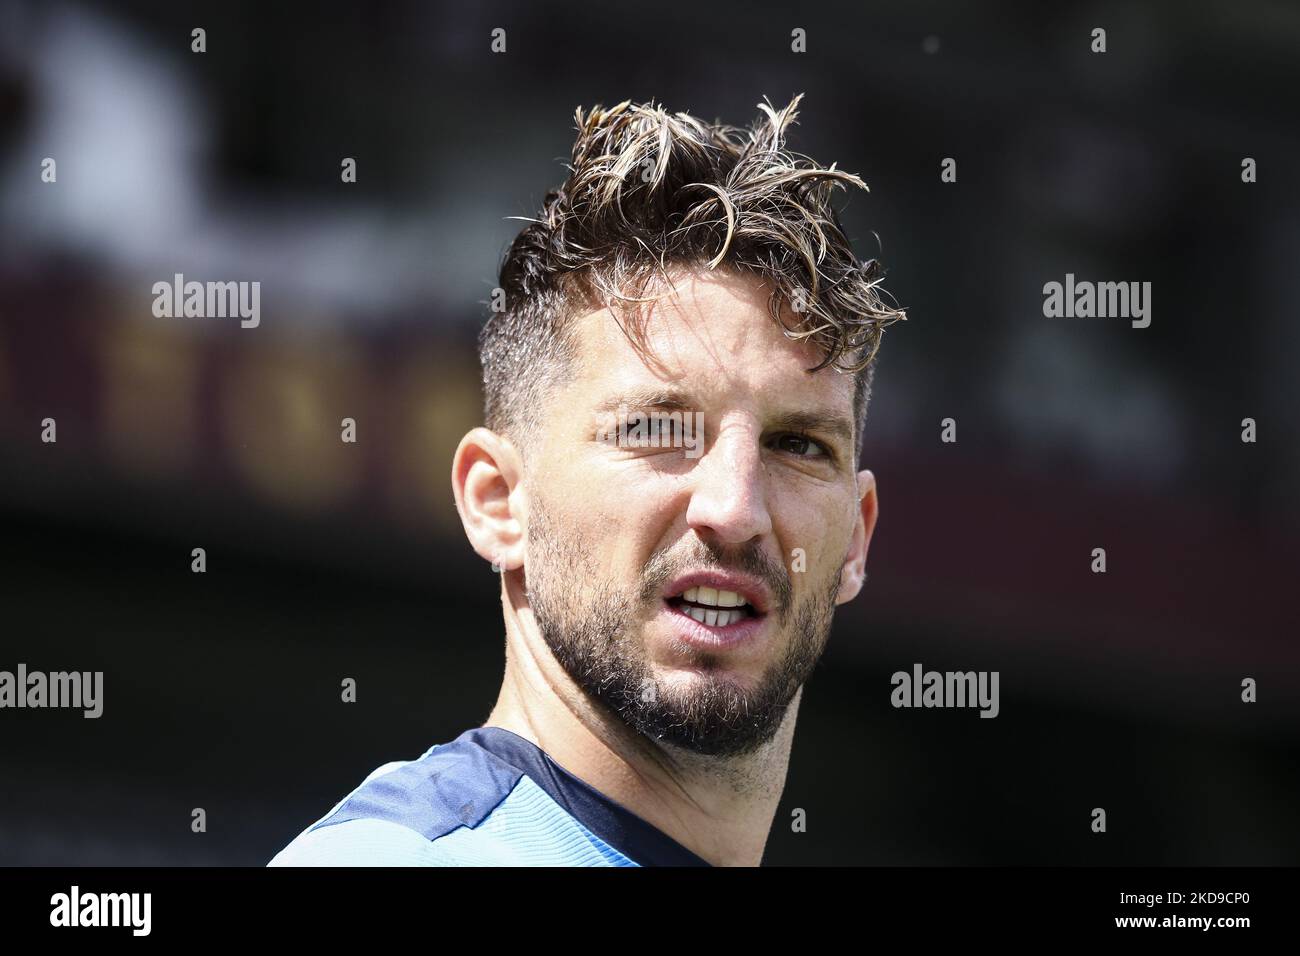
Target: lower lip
[(701, 635)]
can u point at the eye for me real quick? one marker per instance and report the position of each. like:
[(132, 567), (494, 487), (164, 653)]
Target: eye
[(801, 446), (648, 430)]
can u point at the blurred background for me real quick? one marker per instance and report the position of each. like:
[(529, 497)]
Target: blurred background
[(326, 561)]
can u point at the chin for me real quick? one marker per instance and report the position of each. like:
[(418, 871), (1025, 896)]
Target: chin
[(692, 677)]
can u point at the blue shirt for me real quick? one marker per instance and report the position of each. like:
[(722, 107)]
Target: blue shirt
[(488, 798)]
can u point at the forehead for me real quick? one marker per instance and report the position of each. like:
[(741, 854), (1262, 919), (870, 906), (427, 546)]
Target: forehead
[(714, 339)]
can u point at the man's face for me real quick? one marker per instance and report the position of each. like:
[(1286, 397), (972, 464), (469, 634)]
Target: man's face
[(628, 547)]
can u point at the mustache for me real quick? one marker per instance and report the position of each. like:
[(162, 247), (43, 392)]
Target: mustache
[(749, 558)]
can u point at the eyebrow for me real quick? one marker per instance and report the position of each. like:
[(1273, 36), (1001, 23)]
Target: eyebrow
[(818, 420), (823, 421), (651, 398)]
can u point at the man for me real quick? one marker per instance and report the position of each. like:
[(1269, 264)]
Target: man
[(667, 483)]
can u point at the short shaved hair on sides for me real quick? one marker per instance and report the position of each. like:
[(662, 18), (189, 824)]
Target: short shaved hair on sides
[(649, 192)]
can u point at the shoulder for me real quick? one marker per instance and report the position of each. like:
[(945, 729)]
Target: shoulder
[(400, 812), (365, 843), (454, 810)]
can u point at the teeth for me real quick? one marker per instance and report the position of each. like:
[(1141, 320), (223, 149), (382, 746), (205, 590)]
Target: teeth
[(716, 601), (713, 597), (714, 618)]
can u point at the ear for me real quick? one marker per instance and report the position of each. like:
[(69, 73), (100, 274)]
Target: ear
[(485, 475), (855, 563)]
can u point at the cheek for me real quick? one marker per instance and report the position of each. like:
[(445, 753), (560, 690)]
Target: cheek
[(821, 525), (608, 514)]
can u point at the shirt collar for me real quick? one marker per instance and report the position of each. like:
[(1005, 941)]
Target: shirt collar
[(611, 821)]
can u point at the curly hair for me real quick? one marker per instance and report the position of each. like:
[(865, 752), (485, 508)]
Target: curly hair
[(649, 191)]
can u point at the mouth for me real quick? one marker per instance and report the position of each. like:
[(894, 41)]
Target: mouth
[(717, 610), (712, 607)]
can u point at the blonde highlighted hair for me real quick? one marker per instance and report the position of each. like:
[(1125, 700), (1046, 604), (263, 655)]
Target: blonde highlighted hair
[(649, 191)]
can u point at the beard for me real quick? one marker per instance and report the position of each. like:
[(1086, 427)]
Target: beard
[(591, 625)]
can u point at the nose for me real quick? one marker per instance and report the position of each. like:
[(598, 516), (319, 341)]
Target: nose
[(729, 490)]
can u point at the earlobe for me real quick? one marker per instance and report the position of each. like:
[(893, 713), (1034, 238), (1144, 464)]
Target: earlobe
[(485, 474)]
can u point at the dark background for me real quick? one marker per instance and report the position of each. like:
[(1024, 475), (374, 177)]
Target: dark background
[(328, 561)]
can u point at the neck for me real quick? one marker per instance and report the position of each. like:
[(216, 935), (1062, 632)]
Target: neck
[(719, 808)]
